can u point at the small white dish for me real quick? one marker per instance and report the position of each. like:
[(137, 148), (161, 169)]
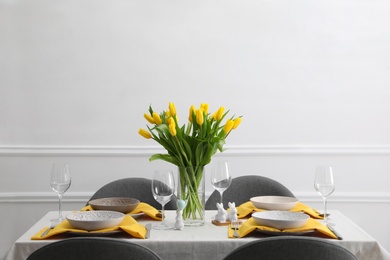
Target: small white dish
[(120, 204), (95, 220), (281, 219), (274, 202)]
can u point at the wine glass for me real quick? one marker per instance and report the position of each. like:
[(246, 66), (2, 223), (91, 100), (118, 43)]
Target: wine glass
[(163, 187), (324, 184), (220, 177), (60, 183)]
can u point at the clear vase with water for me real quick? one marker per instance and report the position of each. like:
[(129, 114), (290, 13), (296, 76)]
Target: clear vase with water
[(191, 188)]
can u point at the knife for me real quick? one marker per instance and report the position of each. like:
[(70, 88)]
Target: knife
[(53, 225), (335, 232), (148, 228)]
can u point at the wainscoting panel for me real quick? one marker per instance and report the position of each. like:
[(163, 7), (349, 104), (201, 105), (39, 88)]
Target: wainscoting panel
[(360, 172)]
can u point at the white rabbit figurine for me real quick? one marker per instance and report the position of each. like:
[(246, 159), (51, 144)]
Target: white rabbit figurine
[(232, 215), (179, 224), (221, 215)]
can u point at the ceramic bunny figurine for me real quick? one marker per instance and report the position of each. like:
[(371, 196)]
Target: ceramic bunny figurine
[(222, 214), (179, 224), (232, 215)]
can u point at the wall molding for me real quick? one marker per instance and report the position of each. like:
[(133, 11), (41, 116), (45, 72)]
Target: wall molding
[(75, 197), (39, 150), (43, 197)]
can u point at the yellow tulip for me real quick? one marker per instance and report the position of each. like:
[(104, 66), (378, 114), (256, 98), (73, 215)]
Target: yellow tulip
[(149, 118), (156, 118), (192, 112), (214, 116), (172, 129), (172, 109), (205, 107), (220, 113), (199, 116), (145, 133), (237, 122), (228, 126), (170, 120)]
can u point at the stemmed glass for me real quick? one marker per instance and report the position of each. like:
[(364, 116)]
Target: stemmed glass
[(163, 187), (60, 182), (324, 184), (220, 177)]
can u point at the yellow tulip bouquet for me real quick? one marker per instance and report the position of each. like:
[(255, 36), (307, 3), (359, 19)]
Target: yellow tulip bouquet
[(189, 147)]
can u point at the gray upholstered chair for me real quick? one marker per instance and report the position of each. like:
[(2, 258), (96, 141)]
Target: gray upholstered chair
[(138, 188), (291, 248), (88, 248), (245, 187)]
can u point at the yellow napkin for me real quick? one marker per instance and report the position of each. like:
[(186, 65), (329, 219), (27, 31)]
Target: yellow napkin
[(247, 208), (129, 225), (250, 225), (142, 207)]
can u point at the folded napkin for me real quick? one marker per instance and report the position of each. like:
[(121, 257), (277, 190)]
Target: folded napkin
[(141, 208), (247, 208), (129, 225), (251, 225)]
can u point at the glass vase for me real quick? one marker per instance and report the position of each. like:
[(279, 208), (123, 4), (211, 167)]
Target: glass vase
[(192, 190)]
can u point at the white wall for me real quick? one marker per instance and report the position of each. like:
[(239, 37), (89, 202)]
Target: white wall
[(310, 78)]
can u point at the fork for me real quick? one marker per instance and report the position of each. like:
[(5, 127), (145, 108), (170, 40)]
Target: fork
[(235, 226), (53, 225)]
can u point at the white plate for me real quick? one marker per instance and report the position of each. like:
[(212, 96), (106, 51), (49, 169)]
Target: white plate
[(274, 202), (278, 233), (138, 215), (120, 204), (95, 234), (281, 219), (95, 220)]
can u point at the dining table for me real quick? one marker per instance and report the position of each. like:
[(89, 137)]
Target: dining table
[(209, 241)]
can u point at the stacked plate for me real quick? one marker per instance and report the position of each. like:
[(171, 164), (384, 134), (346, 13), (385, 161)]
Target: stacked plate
[(281, 219), (120, 204), (274, 202), (278, 214), (95, 220)]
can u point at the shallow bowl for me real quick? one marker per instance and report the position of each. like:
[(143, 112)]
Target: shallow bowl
[(281, 219), (95, 220), (274, 202), (120, 204)]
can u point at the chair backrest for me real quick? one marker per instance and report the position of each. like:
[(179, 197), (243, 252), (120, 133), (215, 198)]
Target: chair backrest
[(138, 188), (245, 187), (88, 248), (291, 248)]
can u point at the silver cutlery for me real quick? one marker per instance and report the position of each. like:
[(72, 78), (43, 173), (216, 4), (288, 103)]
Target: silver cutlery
[(53, 225), (335, 232), (235, 226), (148, 228)]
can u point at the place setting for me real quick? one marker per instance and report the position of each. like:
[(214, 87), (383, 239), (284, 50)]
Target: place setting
[(281, 215), (101, 217), (278, 223), (269, 215), (261, 203), (95, 223)]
